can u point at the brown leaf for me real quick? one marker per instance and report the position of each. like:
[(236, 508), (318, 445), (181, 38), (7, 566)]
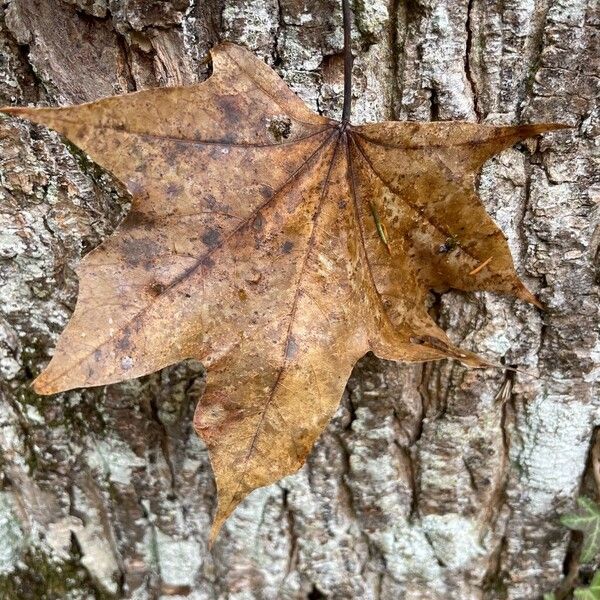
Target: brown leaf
[(278, 247)]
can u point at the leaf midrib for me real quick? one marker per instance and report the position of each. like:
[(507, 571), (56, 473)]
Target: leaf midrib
[(286, 341)]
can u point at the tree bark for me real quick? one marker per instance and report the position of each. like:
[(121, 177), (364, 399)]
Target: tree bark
[(431, 481)]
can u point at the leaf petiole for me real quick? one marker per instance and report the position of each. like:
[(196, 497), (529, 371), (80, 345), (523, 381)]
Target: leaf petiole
[(348, 61)]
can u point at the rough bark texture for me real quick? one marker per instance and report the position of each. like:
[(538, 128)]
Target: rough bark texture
[(431, 482)]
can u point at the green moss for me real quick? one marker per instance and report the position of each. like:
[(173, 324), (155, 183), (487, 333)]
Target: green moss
[(81, 417), (34, 354), (496, 585), (40, 578)]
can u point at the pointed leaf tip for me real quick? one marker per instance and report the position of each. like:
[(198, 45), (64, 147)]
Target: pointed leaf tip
[(41, 386), (547, 127), (525, 294), (215, 529), (14, 110), (217, 525), (535, 129)]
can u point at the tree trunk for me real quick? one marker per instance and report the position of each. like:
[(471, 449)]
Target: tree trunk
[(432, 481)]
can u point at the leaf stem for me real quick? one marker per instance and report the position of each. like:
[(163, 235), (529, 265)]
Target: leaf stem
[(348, 61)]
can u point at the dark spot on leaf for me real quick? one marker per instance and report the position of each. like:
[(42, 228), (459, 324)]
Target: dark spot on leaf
[(208, 262), (156, 288), (258, 222), (287, 247), (137, 251), (173, 152), (449, 245), (211, 238), (342, 204), (280, 128), (291, 350), (125, 342), (230, 107), (173, 190), (266, 192)]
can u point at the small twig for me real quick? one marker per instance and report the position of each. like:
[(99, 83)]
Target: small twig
[(481, 266), (381, 229)]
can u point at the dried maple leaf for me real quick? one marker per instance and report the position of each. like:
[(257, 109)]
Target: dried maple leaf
[(275, 245)]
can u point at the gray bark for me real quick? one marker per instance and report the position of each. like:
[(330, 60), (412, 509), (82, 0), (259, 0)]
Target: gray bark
[(431, 481)]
